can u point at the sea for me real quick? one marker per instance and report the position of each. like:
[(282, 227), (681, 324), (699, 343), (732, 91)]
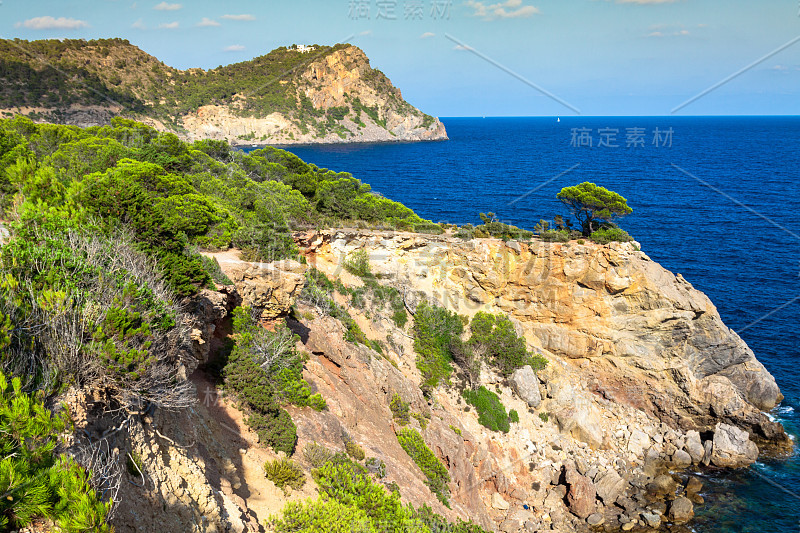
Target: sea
[(716, 199)]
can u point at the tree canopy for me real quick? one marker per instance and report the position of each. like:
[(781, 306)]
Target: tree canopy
[(590, 203)]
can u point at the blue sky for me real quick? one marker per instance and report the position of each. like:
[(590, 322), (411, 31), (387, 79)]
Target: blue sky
[(603, 57)]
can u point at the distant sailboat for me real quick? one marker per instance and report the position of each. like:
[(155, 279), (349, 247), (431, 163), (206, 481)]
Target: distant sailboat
[(559, 119)]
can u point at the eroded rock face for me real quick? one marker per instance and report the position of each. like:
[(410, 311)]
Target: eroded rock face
[(732, 447), (648, 338), (269, 287)]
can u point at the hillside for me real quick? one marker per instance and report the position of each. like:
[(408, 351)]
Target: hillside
[(331, 94)]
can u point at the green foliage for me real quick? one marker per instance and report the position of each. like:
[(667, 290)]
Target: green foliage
[(357, 263), (316, 454), (544, 416), (212, 268), (436, 523), (324, 515), (401, 411), (263, 371), (285, 474), (590, 204), (435, 472), (495, 337), (376, 466), (350, 485), (606, 235), (423, 421), (456, 430), (513, 416), (434, 330), (492, 227), (491, 412), (354, 450), (35, 482)]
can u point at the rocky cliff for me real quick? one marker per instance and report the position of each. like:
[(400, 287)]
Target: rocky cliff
[(327, 95), (644, 381)]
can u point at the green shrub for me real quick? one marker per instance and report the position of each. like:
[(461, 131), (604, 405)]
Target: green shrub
[(354, 450), (285, 474), (36, 482), (456, 430), (400, 409), (436, 523), (324, 515), (316, 454), (357, 263), (263, 371), (423, 422), (610, 234), (495, 336), (376, 466), (491, 412), (544, 416), (435, 472), (434, 331), (513, 416), (212, 268)]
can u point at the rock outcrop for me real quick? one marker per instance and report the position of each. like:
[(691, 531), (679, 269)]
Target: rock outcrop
[(270, 288), (642, 336), (732, 447)]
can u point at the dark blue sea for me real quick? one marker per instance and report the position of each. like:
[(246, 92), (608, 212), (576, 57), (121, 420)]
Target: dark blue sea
[(714, 198)]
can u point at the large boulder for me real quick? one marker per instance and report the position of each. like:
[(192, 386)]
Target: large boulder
[(526, 385), (732, 447), (271, 288), (681, 510), (610, 486), (694, 446), (581, 494)]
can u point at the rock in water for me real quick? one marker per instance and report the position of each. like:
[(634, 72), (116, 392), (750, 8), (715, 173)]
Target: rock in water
[(581, 495), (526, 385), (732, 447), (681, 511)]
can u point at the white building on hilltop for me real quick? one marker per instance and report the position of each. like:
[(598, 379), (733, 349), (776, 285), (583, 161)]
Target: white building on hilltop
[(303, 49)]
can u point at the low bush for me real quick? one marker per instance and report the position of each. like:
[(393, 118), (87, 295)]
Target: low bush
[(435, 472), (37, 483), (513, 416), (401, 411), (212, 268), (354, 450), (491, 411), (434, 331), (316, 454), (610, 234), (285, 474), (493, 337), (544, 417), (357, 263)]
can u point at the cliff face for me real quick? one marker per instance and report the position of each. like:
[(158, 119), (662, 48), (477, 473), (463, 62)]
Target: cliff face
[(330, 95), (644, 335), (643, 381)]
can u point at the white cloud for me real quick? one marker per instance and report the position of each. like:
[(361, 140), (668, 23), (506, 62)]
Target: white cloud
[(665, 30), (207, 22), (233, 48), (163, 6), (509, 9), (427, 35), (239, 17), (50, 23), (139, 25), (169, 25), (365, 33)]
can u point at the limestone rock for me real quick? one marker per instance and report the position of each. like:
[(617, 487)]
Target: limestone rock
[(595, 519), (581, 494), (681, 459), (694, 446), (526, 385), (732, 447), (610, 487), (652, 519), (498, 502), (681, 510), (271, 288)]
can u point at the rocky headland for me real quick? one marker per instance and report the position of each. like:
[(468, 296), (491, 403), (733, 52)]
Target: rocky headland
[(645, 387)]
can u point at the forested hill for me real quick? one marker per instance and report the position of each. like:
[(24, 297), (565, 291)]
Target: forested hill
[(330, 94)]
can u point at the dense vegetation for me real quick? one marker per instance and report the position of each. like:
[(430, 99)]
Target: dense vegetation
[(591, 205), (493, 341), (491, 411), (433, 469), (105, 224), (105, 72), (37, 483), (352, 500)]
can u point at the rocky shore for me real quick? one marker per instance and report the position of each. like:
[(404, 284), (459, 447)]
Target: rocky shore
[(645, 387)]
